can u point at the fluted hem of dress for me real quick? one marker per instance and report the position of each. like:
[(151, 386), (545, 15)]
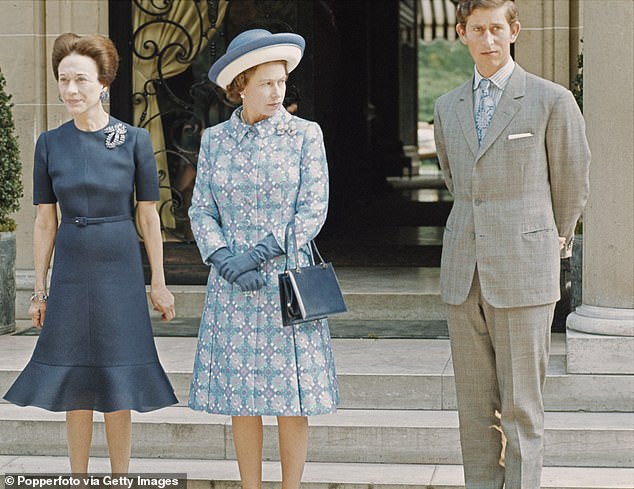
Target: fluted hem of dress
[(320, 412), (140, 388)]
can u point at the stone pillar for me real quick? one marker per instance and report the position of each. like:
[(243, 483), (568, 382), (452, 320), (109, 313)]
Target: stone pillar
[(549, 42), (600, 335)]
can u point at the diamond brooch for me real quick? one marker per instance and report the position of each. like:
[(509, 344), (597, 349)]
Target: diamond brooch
[(283, 128), (115, 135)]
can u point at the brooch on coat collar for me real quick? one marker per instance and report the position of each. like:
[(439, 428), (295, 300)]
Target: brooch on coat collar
[(289, 129), (115, 135)]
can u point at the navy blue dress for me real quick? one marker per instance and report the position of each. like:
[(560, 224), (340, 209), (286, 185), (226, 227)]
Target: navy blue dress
[(96, 350)]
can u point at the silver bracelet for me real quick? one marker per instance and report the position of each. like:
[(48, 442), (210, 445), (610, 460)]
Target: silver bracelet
[(39, 296)]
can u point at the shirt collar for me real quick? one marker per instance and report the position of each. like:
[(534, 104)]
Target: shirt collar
[(500, 78), (266, 127)]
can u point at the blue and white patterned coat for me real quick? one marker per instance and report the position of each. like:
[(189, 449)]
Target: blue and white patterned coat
[(252, 181)]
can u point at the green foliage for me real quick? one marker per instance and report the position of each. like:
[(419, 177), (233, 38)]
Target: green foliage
[(10, 163), (577, 83), (442, 66)]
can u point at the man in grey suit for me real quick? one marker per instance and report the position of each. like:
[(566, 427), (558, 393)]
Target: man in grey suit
[(514, 154)]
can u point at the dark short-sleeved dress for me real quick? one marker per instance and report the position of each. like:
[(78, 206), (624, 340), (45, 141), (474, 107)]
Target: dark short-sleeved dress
[(96, 350)]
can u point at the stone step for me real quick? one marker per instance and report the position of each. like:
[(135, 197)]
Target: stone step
[(370, 293), (405, 293), (223, 474), (339, 328), (381, 246), (355, 436), (385, 374)]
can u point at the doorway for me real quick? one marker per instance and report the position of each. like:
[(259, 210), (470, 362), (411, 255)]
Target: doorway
[(359, 79)]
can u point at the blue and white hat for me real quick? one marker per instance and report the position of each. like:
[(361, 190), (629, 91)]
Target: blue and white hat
[(253, 47)]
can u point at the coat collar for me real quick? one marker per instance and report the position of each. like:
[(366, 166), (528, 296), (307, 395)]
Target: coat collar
[(507, 108), (464, 112), (279, 123)]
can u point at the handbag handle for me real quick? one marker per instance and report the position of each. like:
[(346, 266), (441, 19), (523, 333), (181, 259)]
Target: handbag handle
[(312, 245)]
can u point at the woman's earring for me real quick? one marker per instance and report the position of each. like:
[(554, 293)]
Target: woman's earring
[(242, 95), (104, 96)]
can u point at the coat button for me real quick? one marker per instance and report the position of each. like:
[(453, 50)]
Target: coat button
[(477, 202)]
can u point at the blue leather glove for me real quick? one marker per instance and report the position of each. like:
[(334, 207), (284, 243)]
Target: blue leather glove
[(235, 266), (219, 257), (250, 281)]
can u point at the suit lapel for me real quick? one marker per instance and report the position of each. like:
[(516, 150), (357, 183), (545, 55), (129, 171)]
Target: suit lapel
[(464, 113), (507, 108)]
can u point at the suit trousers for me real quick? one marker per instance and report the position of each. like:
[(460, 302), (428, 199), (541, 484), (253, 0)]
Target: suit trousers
[(500, 357)]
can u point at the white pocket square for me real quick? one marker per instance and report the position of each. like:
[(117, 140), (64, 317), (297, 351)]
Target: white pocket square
[(520, 135)]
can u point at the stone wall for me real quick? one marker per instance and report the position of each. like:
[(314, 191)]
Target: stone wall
[(549, 42), (27, 31)]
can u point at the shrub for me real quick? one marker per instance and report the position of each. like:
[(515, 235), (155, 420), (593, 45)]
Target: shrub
[(10, 163)]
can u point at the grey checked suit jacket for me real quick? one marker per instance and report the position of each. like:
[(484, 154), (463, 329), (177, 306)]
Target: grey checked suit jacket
[(513, 197)]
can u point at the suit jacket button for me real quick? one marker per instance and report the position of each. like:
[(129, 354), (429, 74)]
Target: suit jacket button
[(477, 202)]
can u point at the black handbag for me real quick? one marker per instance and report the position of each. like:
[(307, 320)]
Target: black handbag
[(308, 293)]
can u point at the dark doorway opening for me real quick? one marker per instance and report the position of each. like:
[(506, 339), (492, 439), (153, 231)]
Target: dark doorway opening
[(358, 80)]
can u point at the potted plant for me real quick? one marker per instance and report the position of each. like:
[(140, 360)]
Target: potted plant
[(10, 194)]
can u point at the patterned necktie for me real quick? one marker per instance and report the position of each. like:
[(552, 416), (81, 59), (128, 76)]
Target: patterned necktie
[(485, 109)]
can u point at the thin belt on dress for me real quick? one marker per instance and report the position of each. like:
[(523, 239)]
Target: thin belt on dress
[(82, 221)]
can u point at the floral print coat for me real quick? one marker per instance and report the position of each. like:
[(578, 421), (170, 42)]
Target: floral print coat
[(253, 180)]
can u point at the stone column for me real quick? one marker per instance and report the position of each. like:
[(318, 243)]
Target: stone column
[(549, 41), (600, 336)]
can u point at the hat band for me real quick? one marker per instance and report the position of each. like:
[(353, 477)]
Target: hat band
[(290, 53)]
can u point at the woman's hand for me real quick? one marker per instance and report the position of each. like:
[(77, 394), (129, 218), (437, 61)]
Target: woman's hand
[(163, 301), (37, 311), (150, 225), (238, 265), (44, 234), (231, 267), (250, 281)]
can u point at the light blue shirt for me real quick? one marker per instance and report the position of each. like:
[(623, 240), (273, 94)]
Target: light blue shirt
[(499, 80)]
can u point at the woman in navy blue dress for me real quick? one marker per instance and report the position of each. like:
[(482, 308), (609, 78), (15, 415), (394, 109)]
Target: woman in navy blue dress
[(95, 351)]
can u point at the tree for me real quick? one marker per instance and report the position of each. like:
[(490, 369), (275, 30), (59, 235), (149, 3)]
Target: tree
[(10, 163)]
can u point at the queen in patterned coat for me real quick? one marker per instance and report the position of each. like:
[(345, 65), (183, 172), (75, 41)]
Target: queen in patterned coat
[(258, 172)]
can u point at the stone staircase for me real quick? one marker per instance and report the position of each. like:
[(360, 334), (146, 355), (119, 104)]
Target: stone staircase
[(397, 426)]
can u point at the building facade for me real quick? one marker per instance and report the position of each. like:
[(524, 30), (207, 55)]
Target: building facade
[(548, 46)]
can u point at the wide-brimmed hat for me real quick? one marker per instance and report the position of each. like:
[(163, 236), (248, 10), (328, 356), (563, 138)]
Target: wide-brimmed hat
[(253, 47)]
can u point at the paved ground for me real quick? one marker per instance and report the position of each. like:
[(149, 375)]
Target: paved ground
[(351, 355)]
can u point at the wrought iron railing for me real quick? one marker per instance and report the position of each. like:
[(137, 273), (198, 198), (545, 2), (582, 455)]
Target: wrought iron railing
[(189, 102)]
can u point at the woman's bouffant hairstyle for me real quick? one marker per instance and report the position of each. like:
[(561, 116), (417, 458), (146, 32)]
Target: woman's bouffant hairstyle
[(95, 46), (237, 85), (465, 7)]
